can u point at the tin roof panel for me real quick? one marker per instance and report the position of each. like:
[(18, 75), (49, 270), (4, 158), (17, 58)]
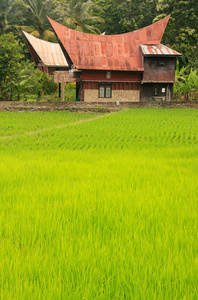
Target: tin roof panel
[(153, 50), (50, 53), (103, 52)]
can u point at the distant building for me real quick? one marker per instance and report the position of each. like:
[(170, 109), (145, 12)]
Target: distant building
[(128, 67), (47, 56)]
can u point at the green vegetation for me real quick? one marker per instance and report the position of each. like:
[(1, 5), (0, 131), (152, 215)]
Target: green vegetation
[(186, 84), (99, 206), (35, 13), (11, 54), (80, 15), (111, 17), (18, 77), (70, 91)]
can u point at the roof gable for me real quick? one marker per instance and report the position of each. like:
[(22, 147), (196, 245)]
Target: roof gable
[(108, 52), (50, 53)]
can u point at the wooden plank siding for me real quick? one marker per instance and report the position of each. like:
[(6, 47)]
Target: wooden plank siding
[(115, 76), (132, 86), (159, 69)]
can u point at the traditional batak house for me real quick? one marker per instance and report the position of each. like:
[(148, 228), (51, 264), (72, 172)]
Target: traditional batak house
[(127, 67), (47, 56)]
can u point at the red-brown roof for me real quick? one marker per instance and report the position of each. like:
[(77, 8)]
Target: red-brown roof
[(109, 52), (153, 50), (49, 53)]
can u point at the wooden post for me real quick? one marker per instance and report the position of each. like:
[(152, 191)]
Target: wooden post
[(63, 89), (62, 77), (59, 89)]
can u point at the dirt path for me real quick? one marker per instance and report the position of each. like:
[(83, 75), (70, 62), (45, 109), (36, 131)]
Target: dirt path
[(51, 128)]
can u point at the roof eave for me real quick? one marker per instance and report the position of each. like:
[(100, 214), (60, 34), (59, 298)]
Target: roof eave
[(162, 55)]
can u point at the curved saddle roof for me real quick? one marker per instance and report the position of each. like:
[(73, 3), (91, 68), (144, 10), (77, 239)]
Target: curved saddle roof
[(108, 52), (49, 53)]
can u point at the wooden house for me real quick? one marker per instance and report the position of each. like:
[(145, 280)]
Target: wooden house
[(129, 67)]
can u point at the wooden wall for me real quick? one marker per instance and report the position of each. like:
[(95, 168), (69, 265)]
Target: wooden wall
[(116, 76), (158, 69), (156, 92), (88, 85)]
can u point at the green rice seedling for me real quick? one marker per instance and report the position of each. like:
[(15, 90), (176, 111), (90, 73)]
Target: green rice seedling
[(99, 207)]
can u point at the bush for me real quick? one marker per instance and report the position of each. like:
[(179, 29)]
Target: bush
[(70, 91), (11, 55), (43, 85), (19, 77), (186, 84)]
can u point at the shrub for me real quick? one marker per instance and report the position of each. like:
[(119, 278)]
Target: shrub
[(186, 84), (11, 55)]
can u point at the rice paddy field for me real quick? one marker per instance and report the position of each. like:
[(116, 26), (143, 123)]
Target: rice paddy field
[(99, 206)]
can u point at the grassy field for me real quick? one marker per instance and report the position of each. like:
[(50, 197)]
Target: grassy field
[(99, 206)]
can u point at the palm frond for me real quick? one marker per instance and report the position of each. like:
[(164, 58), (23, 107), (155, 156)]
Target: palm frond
[(81, 16)]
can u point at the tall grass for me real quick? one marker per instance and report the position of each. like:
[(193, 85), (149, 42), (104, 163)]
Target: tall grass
[(105, 209)]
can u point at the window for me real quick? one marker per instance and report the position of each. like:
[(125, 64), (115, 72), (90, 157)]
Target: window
[(161, 63), (105, 91), (108, 76)]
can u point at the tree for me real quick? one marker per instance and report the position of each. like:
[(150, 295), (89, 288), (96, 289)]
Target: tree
[(182, 30), (10, 14), (11, 55), (24, 81), (125, 15), (35, 15), (81, 15), (136, 14), (111, 12)]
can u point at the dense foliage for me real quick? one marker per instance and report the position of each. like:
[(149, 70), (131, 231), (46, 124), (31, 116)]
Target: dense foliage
[(11, 54), (80, 15), (186, 84), (109, 16), (18, 77)]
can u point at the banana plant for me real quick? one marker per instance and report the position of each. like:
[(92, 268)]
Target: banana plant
[(186, 83)]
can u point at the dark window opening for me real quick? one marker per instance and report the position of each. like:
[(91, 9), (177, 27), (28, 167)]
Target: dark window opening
[(161, 63), (105, 91)]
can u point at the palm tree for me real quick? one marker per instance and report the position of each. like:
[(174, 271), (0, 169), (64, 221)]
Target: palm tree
[(10, 14), (35, 13), (80, 15)]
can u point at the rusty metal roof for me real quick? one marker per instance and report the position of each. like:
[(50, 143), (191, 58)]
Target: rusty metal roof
[(49, 53), (153, 50), (108, 52)]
